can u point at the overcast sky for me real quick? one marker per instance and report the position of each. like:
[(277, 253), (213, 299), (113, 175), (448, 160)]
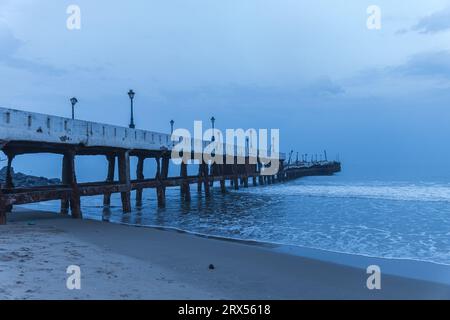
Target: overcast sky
[(380, 98)]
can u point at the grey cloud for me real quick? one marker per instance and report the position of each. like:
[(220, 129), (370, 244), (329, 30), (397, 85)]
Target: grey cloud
[(254, 95), (8, 55), (430, 64), (325, 87), (436, 22)]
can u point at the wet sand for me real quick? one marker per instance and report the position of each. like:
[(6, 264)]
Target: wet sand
[(125, 262)]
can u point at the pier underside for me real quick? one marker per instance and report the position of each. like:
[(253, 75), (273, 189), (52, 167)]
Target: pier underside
[(70, 191)]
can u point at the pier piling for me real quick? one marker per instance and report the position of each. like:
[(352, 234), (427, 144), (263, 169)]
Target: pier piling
[(185, 187), (206, 179), (70, 175), (124, 177), (111, 158), (140, 177)]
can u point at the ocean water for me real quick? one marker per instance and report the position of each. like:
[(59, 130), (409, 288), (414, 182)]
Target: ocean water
[(408, 220)]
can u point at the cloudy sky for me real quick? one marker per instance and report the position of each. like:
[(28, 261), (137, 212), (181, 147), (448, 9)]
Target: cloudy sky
[(379, 98)]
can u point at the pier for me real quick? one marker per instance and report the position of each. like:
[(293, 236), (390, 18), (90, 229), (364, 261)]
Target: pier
[(24, 132)]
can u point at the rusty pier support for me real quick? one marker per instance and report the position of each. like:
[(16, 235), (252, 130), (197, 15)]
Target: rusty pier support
[(162, 172), (111, 158), (235, 170), (9, 184), (185, 187), (159, 188), (2, 212), (69, 178), (206, 179), (124, 178), (200, 175), (223, 187), (140, 177), (246, 171), (164, 176)]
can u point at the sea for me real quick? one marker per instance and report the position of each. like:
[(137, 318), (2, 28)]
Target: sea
[(386, 219)]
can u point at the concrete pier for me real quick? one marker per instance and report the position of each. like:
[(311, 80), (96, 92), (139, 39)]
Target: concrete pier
[(31, 133)]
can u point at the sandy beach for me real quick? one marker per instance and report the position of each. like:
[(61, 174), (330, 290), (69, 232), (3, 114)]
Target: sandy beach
[(126, 262)]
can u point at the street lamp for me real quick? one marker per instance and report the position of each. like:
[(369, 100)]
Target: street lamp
[(247, 145), (171, 130), (171, 126), (213, 121), (131, 94), (73, 101)]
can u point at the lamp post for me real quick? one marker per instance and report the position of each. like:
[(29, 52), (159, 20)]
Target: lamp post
[(131, 94), (171, 131), (73, 101), (213, 121), (247, 146), (171, 126)]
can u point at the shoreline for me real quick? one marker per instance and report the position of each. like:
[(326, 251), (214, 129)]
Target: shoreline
[(139, 262), (434, 271)]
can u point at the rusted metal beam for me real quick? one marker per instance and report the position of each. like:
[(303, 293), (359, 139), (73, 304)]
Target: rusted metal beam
[(35, 196)]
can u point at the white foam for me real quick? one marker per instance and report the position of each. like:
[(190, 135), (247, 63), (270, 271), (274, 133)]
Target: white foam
[(388, 192)]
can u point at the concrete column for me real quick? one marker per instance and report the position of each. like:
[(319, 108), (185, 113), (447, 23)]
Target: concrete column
[(9, 184), (140, 177), (160, 190), (65, 178), (163, 177), (71, 180), (223, 187), (200, 175), (235, 177), (206, 179), (124, 178), (260, 177), (214, 173), (247, 171), (185, 187), (109, 178), (2, 210)]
